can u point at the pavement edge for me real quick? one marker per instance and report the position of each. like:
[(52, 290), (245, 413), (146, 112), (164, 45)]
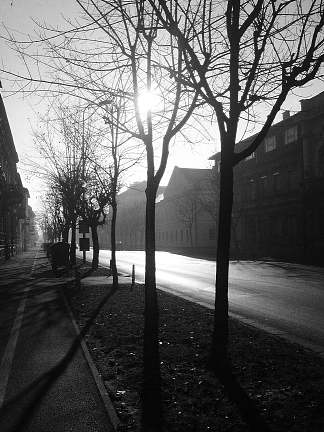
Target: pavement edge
[(95, 373)]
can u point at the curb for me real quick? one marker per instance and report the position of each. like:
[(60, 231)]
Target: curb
[(112, 415)]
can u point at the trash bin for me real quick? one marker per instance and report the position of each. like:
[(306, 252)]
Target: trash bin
[(47, 248), (60, 255)]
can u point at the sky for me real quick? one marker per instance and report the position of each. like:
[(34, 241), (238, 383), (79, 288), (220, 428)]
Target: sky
[(17, 16)]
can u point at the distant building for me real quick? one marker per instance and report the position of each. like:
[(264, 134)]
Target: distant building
[(31, 234), (185, 217), (130, 226), (13, 196), (185, 210), (278, 206), (279, 190)]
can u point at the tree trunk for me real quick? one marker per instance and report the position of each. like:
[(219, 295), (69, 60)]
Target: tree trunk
[(152, 403), (218, 355), (73, 243), (6, 230), (113, 243), (95, 246), (65, 234)]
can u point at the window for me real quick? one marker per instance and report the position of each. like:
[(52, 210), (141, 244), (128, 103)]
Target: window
[(270, 144), (218, 166), (181, 235), (292, 228), (321, 161), (252, 156), (291, 134), (321, 223), (212, 234), (276, 184), (277, 225), (251, 229), (252, 189), (292, 180), (263, 186)]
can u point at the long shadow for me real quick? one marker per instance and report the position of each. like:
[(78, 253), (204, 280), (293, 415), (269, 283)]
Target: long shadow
[(39, 388), (247, 407)]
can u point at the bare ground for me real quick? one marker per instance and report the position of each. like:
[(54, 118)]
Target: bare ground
[(284, 382)]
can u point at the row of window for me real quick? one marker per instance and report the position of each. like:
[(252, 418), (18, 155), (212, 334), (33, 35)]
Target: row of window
[(176, 235), (265, 229), (270, 143), (267, 185)]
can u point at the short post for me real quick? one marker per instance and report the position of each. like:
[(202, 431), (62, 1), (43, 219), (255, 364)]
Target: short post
[(133, 276), (84, 251)]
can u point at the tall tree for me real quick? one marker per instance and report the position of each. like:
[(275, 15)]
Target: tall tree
[(243, 57), (137, 50), (65, 149), (123, 155), (96, 197), (120, 51)]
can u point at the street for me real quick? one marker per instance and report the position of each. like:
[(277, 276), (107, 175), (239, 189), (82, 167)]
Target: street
[(282, 298)]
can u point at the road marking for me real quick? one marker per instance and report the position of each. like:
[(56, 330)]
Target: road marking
[(7, 360)]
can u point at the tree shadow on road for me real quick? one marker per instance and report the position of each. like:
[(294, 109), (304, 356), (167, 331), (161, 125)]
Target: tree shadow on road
[(40, 387)]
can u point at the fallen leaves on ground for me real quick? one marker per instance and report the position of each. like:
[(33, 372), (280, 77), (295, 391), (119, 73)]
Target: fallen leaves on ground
[(284, 381)]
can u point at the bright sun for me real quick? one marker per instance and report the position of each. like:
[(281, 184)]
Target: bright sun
[(148, 101)]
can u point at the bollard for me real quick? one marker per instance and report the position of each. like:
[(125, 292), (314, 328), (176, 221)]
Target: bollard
[(133, 276)]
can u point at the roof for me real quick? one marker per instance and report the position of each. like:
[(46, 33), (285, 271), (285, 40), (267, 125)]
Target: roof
[(195, 175), (245, 143), (135, 193), (186, 178), (306, 105)]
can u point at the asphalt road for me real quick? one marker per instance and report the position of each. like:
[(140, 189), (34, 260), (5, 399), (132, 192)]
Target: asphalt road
[(285, 299)]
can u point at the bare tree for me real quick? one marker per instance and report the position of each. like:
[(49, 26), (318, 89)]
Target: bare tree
[(137, 51), (52, 223), (123, 155), (65, 148), (243, 57), (96, 197)]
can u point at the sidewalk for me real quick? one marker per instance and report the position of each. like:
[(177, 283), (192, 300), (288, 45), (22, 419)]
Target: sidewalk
[(45, 381)]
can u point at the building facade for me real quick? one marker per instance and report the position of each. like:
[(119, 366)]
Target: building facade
[(278, 209), (13, 196), (278, 206), (185, 215)]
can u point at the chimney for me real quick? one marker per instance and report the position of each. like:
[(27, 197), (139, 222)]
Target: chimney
[(285, 115)]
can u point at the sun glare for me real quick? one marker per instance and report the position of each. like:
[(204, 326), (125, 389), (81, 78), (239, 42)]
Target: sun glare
[(148, 101)]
